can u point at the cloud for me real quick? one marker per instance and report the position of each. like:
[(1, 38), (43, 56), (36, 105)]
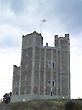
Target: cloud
[(10, 37), (75, 66), (7, 59), (28, 13), (70, 14), (18, 17), (32, 10), (17, 6)]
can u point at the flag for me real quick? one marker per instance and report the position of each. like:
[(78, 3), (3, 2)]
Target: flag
[(43, 20)]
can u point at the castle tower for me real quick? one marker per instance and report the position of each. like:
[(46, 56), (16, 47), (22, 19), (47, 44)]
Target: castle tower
[(63, 45), (30, 63), (44, 71)]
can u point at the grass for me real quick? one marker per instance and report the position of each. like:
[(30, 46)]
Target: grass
[(39, 105), (44, 105)]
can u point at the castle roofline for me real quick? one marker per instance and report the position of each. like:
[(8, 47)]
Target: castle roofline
[(62, 38), (32, 33)]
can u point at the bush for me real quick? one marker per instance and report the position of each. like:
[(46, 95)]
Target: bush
[(70, 105)]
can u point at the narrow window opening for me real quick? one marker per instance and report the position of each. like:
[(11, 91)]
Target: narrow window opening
[(16, 93), (49, 82), (53, 65), (51, 93), (53, 83)]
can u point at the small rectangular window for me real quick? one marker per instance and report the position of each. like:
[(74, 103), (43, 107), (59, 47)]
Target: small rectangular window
[(51, 93), (49, 82), (16, 93), (53, 83), (49, 64), (53, 65)]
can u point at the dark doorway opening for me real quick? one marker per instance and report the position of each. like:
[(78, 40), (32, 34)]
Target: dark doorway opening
[(51, 93)]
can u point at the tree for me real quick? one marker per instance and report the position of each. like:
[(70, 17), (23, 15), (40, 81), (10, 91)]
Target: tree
[(70, 105), (7, 97)]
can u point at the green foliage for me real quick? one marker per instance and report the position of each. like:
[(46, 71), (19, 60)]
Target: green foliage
[(38, 105), (73, 105), (47, 105)]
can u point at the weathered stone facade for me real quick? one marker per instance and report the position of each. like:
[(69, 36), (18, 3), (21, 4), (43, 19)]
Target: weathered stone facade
[(43, 70), (16, 80)]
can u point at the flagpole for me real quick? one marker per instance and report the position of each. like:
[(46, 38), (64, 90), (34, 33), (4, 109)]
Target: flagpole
[(42, 21), (41, 27)]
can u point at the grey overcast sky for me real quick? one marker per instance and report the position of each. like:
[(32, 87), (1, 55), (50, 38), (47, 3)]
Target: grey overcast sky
[(18, 17)]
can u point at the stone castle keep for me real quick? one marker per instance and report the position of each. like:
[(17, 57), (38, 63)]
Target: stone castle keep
[(44, 72)]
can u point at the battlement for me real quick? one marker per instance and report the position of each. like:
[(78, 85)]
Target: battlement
[(61, 41), (31, 40)]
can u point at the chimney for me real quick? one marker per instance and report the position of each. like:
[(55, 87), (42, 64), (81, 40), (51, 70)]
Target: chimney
[(47, 44)]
